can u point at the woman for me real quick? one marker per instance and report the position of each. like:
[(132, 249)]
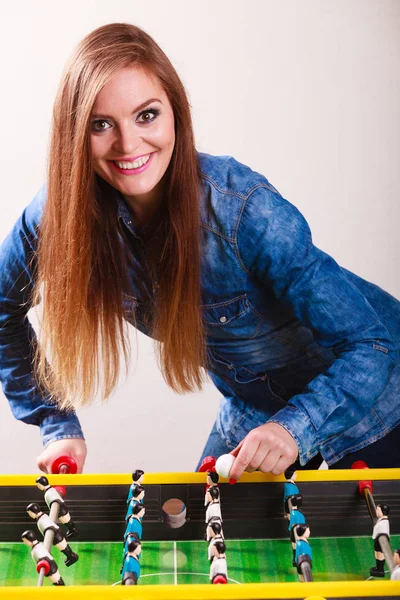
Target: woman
[(204, 255)]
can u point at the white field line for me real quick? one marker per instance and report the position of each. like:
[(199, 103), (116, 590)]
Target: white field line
[(175, 566), (182, 573)]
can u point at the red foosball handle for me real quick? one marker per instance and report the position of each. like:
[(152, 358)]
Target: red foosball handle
[(364, 484), (220, 579), (63, 464), (43, 564), (208, 464)]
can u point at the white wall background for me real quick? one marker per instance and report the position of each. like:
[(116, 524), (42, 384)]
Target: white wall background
[(306, 92)]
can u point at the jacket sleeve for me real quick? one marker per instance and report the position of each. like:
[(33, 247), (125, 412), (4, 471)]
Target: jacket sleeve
[(17, 337), (275, 246)]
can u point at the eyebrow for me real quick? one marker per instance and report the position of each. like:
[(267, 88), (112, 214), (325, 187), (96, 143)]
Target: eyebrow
[(103, 116)]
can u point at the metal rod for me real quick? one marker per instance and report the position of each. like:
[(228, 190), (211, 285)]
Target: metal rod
[(383, 540), (49, 535), (305, 568), (41, 577), (387, 551), (369, 499)]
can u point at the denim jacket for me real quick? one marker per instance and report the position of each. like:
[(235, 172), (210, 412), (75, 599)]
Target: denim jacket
[(290, 334)]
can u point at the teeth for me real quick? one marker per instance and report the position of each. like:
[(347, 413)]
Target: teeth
[(133, 165)]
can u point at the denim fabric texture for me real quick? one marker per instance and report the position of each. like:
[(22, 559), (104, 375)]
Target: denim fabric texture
[(292, 337)]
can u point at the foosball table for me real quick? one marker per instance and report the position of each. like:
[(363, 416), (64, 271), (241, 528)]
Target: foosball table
[(174, 560)]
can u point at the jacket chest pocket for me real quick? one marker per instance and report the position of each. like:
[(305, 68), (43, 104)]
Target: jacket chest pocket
[(233, 318)]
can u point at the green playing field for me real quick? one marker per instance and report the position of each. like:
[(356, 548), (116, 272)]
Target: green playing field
[(249, 561)]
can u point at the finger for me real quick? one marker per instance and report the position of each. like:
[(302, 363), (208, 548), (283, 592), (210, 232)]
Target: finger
[(282, 464), (41, 465), (80, 464), (244, 457), (45, 460), (270, 461), (235, 451), (79, 458), (258, 459)]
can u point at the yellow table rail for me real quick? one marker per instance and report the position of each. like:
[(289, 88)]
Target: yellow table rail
[(193, 478)]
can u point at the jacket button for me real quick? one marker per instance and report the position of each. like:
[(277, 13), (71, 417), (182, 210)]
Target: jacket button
[(223, 319)]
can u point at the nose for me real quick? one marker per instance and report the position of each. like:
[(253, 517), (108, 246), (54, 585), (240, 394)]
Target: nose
[(126, 141)]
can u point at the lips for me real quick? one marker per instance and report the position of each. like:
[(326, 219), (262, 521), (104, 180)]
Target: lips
[(131, 171), (131, 158), (124, 164)]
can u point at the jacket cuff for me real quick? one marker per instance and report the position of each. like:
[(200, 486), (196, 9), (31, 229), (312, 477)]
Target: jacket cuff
[(300, 428), (59, 425)]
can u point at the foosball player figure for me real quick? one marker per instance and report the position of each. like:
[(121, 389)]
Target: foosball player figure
[(296, 517), (129, 538), (44, 523), (303, 549), (42, 558), (214, 506), (131, 564), (137, 478), (208, 535), (395, 574), (218, 568), (381, 528), (209, 531), (134, 522), (207, 497), (290, 489), (50, 496), (138, 497), (212, 480), (214, 532)]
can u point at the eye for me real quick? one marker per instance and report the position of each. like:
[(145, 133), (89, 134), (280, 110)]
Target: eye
[(152, 111), (100, 125)]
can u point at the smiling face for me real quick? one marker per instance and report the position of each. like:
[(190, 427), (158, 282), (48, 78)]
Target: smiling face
[(132, 137)]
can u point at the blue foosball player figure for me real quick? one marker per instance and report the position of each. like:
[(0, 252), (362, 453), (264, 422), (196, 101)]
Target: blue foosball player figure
[(137, 497), (303, 552), (134, 523), (296, 517), (290, 489), (131, 564), (128, 538), (137, 478)]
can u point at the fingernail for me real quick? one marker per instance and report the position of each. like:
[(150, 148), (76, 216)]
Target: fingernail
[(232, 481)]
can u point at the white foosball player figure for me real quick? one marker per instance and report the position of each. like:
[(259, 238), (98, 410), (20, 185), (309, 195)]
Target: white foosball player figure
[(50, 496), (218, 569), (44, 523), (42, 558), (214, 506)]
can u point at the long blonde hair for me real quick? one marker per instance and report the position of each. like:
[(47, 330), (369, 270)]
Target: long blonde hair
[(82, 269)]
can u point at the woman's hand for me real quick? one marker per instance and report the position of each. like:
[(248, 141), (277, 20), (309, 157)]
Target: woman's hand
[(268, 448), (74, 447)]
